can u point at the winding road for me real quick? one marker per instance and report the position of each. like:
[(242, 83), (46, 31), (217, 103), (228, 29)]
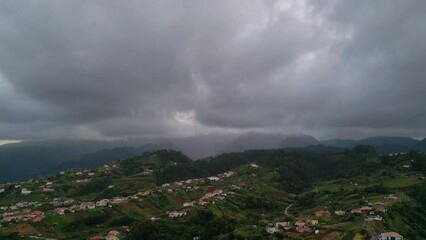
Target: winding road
[(286, 209)]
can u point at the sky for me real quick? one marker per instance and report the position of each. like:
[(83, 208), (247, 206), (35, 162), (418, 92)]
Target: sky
[(107, 69)]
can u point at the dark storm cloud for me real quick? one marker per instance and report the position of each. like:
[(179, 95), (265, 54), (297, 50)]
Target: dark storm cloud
[(104, 69)]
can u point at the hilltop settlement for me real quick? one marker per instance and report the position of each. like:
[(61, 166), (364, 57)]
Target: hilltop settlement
[(259, 194)]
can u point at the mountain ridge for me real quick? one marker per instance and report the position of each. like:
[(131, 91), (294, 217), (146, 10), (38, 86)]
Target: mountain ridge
[(21, 161)]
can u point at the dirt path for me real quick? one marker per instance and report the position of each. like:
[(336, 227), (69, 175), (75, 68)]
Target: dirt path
[(286, 209)]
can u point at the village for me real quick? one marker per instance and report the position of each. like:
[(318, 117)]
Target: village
[(41, 200), (24, 211)]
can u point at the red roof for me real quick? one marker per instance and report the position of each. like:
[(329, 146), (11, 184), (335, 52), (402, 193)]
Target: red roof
[(38, 213), (96, 238), (303, 229), (322, 213)]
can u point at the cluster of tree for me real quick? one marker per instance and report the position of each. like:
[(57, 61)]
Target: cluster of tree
[(205, 167), (378, 188), (10, 236), (89, 220), (202, 225), (296, 169), (408, 219), (164, 157), (95, 186), (419, 159)]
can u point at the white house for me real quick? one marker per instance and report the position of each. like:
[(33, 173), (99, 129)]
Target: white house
[(374, 218), (213, 178), (175, 214), (272, 230), (102, 203), (25, 191), (390, 236), (188, 204)]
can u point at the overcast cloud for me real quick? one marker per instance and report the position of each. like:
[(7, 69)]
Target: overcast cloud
[(117, 69)]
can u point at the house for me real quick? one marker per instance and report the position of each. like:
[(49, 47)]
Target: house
[(109, 237), (374, 218), (339, 212), (25, 191), (299, 223), (303, 229), (272, 230), (22, 204), (1, 190), (380, 209), (86, 180), (102, 203), (213, 178), (146, 193), (356, 210), (57, 202), (117, 200), (285, 225), (217, 192), (37, 219), (188, 204), (227, 174), (211, 192), (391, 197), (59, 211), (114, 233), (254, 165), (38, 213), (176, 214), (74, 208), (322, 213), (366, 209), (68, 202), (313, 222), (201, 180), (390, 236), (96, 238), (87, 205), (47, 189)]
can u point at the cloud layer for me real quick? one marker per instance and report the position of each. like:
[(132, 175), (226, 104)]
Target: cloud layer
[(114, 69)]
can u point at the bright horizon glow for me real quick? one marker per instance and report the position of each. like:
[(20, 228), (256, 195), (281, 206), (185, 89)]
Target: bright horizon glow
[(7, 141)]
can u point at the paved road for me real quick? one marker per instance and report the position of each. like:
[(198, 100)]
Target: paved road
[(286, 209)]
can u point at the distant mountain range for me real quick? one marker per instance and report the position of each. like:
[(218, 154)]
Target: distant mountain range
[(21, 161)]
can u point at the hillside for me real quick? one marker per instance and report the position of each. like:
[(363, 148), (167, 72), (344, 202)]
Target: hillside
[(256, 194), (26, 160)]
